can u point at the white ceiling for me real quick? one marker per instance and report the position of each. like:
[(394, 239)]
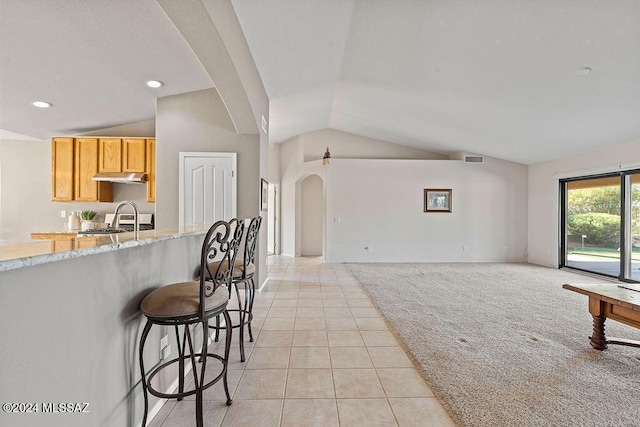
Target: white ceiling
[(90, 59), (493, 77)]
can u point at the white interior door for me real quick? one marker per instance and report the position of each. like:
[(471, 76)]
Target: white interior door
[(207, 187), (273, 219)]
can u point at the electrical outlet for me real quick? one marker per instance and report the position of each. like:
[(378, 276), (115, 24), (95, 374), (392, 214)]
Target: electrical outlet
[(63, 214), (465, 248)]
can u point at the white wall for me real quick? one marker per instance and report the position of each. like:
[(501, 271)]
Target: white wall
[(379, 204), (343, 145), (312, 216), (292, 169), (199, 121), (273, 167), (144, 128), (544, 193)]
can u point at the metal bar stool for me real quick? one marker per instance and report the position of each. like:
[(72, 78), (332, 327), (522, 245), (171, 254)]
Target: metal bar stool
[(192, 303), (243, 270)]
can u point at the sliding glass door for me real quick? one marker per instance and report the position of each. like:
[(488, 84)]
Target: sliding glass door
[(600, 224), (592, 218), (634, 228)]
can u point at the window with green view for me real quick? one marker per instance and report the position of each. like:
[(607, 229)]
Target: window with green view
[(601, 224)]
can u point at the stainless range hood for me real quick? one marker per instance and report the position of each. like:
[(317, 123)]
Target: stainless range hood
[(121, 177)]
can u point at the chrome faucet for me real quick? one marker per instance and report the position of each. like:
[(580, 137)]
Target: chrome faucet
[(136, 217)]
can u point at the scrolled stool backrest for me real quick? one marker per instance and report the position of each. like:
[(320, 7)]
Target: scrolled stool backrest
[(220, 248), (250, 245)]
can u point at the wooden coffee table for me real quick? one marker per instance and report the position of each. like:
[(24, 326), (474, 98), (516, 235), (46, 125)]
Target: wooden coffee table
[(611, 301)]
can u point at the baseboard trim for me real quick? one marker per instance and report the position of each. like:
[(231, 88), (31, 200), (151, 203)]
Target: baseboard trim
[(263, 285)]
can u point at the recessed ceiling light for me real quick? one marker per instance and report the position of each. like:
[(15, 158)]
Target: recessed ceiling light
[(582, 71), (41, 104), (155, 84)]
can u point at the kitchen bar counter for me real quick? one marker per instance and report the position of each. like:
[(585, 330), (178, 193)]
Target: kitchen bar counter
[(25, 254), (70, 322)]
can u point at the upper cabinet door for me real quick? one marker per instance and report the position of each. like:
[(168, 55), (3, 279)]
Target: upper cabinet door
[(110, 155), (134, 154), (86, 166), (62, 169)]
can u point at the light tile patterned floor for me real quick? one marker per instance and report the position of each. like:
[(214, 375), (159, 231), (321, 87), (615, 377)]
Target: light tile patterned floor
[(322, 356)]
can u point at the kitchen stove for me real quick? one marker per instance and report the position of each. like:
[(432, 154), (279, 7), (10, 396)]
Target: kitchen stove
[(108, 230), (126, 221)]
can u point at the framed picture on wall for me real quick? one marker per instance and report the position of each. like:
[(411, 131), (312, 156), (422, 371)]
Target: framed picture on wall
[(264, 195), (437, 200)]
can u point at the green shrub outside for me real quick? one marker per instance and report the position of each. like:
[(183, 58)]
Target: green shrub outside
[(601, 229)]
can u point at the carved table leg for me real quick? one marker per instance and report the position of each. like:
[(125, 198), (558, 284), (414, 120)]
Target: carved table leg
[(598, 339)]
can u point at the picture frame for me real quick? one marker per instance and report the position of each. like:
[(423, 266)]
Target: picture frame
[(264, 194), (437, 200)]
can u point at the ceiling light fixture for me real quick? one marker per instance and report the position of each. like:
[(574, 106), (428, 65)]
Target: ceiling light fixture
[(582, 71), (41, 104), (155, 84)]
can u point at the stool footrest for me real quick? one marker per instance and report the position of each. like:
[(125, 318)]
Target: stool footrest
[(186, 393), (248, 319)]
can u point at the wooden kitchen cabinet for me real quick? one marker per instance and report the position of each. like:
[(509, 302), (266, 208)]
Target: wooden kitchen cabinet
[(85, 242), (134, 155), (110, 155), (122, 155), (61, 242), (151, 170), (62, 160), (86, 166), (63, 245), (68, 241), (76, 160)]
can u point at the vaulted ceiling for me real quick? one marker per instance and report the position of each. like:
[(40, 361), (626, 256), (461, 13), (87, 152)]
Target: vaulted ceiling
[(504, 78), (494, 77)]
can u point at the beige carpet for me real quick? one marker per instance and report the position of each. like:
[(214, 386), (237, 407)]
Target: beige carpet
[(505, 345)]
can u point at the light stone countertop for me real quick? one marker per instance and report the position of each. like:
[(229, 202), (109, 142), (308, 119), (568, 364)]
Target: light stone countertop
[(34, 252), (61, 232)]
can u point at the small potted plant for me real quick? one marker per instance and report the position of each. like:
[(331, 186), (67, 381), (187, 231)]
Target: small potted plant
[(87, 220)]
